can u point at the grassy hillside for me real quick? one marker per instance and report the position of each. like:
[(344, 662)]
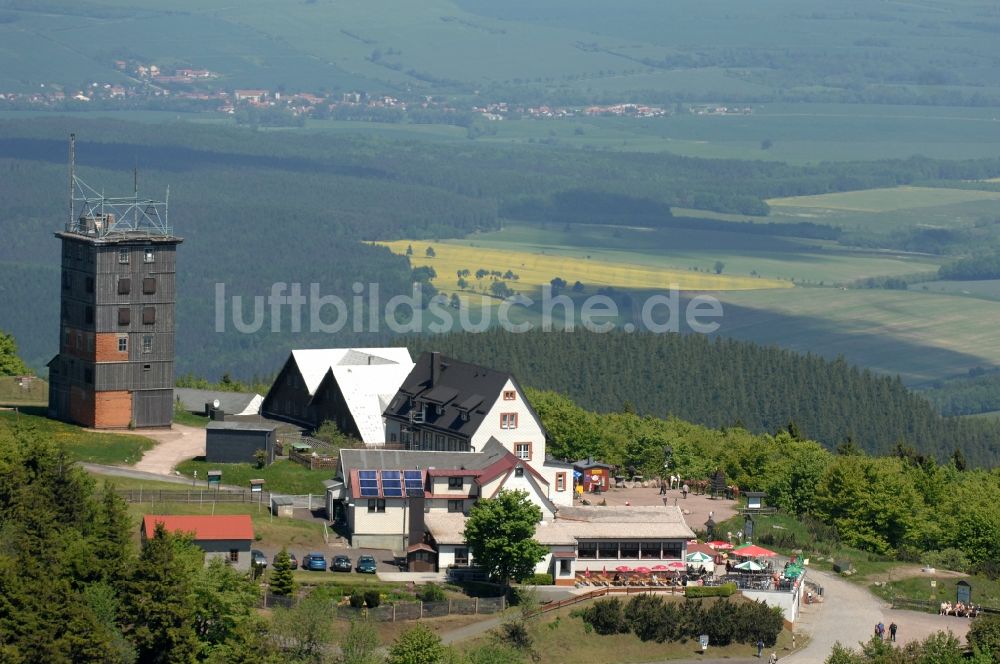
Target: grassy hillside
[(82, 445), (13, 393)]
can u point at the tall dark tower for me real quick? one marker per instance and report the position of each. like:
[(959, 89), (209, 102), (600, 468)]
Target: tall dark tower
[(115, 367)]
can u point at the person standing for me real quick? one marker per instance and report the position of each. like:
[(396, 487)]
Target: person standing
[(663, 487), (892, 631), (684, 491), (760, 647)]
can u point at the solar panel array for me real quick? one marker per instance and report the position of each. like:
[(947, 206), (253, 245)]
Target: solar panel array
[(390, 483), (368, 481)]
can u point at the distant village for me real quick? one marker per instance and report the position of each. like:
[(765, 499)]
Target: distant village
[(197, 90)]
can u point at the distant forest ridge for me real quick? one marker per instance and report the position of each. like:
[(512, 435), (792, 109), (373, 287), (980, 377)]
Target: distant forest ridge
[(720, 383)]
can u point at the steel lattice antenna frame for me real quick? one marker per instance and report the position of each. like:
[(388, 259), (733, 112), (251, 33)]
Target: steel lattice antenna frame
[(114, 215)]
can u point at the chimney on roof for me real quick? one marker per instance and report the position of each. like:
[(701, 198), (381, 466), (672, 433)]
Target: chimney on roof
[(435, 367)]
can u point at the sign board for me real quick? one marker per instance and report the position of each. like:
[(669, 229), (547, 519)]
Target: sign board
[(214, 477), (703, 639), (256, 486), (963, 592)]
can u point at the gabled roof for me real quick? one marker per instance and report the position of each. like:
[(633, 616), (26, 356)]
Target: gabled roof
[(590, 462), (367, 389), (463, 392), (204, 527), (314, 363)]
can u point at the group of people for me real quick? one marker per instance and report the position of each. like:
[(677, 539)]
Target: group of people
[(880, 631), (959, 609)]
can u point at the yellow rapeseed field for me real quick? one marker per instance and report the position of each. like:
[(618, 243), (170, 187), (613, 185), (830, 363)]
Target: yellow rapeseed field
[(536, 269)]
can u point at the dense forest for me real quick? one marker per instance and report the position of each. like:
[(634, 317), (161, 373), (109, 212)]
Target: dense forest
[(982, 266), (721, 383), (978, 392)]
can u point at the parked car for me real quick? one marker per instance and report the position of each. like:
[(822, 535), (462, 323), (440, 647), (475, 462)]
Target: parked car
[(258, 559), (367, 565), (314, 561), (341, 563), (291, 557)]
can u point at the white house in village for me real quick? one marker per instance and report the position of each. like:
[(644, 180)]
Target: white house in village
[(456, 432)]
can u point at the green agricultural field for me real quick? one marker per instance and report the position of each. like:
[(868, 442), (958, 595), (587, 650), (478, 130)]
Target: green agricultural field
[(987, 289), (81, 444), (920, 336), (881, 210), (886, 200)]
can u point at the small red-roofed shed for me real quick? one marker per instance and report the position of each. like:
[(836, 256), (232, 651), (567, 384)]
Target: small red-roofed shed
[(226, 536)]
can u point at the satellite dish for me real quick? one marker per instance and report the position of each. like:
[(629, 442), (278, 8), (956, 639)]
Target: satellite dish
[(216, 404)]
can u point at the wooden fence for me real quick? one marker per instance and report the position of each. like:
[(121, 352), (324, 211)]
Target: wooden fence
[(399, 611), (200, 496), (314, 462)]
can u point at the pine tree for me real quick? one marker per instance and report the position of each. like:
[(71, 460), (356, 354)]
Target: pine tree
[(282, 579), (161, 604)]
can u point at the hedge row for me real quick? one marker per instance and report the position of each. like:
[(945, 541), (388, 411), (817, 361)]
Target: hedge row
[(652, 618)]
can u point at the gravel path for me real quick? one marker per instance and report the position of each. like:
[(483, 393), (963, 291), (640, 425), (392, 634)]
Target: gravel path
[(174, 445)]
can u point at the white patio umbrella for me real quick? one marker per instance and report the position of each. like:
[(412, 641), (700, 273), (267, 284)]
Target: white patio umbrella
[(699, 557), (750, 566)]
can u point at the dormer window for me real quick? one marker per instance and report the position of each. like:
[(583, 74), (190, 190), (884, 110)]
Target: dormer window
[(439, 410), (509, 395), (464, 416), (454, 482)]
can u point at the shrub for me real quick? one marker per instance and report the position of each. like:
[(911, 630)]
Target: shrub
[(539, 580), (646, 616), (606, 616), (725, 590), (357, 599), (431, 593), (984, 634), (372, 598), (953, 559)]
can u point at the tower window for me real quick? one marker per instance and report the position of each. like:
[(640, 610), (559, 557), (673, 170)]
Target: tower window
[(123, 256), (88, 376), (123, 344), (148, 256), (88, 313), (124, 286), (148, 315), (147, 343), (124, 316), (148, 286), (66, 281), (147, 367), (90, 284)]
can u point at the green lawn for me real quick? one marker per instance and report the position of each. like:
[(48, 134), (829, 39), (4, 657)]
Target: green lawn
[(886, 200), (82, 445), (36, 393), (191, 419), (280, 476), (985, 591)]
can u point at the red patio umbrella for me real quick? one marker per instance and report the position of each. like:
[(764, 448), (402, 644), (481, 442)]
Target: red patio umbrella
[(720, 545), (586, 572), (677, 565), (660, 568), (643, 570), (753, 551), (623, 568)]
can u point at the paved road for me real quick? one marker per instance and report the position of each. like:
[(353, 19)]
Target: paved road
[(848, 614)]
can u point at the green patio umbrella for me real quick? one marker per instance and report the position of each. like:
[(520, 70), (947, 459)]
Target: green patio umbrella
[(750, 566), (699, 557)]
